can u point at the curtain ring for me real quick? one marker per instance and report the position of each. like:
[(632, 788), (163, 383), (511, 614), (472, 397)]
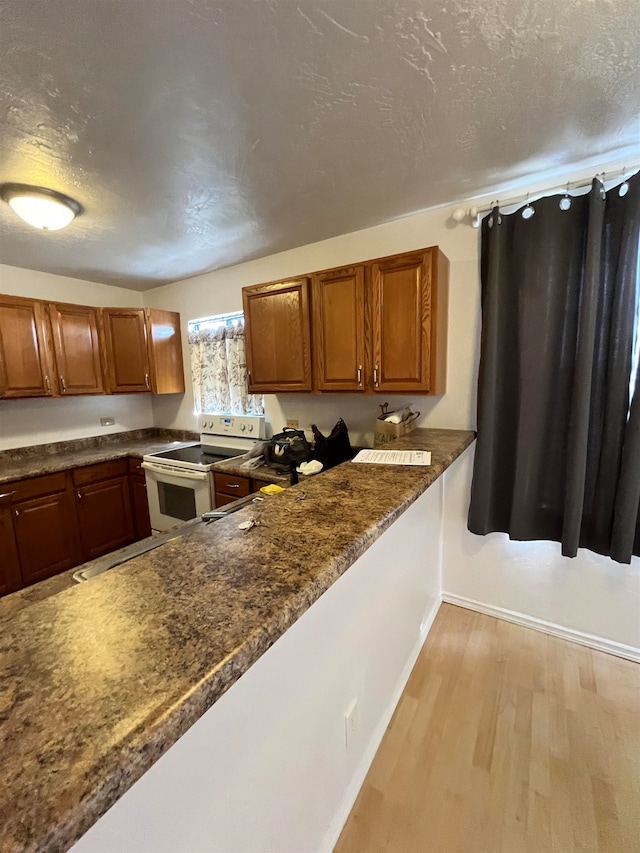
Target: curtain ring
[(528, 211), (565, 201), (623, 189)]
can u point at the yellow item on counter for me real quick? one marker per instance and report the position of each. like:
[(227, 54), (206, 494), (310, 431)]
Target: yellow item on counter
[(271, 489)]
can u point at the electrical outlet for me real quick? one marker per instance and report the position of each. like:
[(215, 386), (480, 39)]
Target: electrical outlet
[(292, 422), (107, 421), (350, 723)]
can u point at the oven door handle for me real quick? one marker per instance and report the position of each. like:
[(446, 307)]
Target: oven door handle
[(169, 471)]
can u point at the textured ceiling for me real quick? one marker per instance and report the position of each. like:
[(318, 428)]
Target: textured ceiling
[(199, 134)]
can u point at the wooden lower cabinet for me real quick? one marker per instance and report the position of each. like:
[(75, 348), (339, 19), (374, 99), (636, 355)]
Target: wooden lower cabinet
[(10, 578), (104, 507), (139, 502), (230, 487), (46, 527), (51, 524)]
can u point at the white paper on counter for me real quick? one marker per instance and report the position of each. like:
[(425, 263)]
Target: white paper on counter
[(394, 457)]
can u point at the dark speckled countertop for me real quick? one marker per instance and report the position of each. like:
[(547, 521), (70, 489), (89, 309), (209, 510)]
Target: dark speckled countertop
[(41, 459), (98, 681)]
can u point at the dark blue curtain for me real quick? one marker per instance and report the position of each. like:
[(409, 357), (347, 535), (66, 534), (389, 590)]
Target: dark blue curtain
[(558, 451)]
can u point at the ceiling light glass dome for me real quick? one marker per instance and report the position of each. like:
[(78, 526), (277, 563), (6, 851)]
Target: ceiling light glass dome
[(41, 208)]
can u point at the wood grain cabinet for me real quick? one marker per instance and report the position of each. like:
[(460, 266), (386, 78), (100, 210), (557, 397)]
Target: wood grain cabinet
[(77, 351), (278, 336), (46, 526), (25, 358), (10, 578), (165, 350), (139, 502), (143, 350), (379, 326), (338, 299), (126, 350), (230, 487), (104, 507), (408, 311)]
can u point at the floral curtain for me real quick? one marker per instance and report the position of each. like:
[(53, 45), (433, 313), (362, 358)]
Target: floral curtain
[(219, 370)]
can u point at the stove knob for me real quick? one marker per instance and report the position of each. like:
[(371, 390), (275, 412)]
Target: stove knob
[(250, 427), (243, 427)]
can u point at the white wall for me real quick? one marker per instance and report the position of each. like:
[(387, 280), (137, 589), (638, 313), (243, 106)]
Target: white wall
[(221, 291), (41, 420), (266, 768), (591, 598)]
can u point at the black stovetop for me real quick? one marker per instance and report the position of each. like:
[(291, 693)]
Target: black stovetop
[(194, 454)]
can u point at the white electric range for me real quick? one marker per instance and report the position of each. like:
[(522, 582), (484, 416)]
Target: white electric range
[(180, 481)]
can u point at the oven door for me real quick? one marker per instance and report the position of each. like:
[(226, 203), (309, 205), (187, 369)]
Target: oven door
[(176, 495)]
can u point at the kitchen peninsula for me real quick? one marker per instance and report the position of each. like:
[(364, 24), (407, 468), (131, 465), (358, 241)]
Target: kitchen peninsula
[(98, 682)]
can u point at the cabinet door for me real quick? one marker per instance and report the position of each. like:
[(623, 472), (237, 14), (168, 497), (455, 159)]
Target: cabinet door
[(47, 535), (401, 322), (75, 341), (25, 361), (140, 505), (10, 578), (104, 512), (338, 329), (165, 339), (127, 357), (278, 336)]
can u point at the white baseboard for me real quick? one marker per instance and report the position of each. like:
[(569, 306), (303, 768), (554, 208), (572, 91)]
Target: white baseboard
[(340, 817), (599, 643)]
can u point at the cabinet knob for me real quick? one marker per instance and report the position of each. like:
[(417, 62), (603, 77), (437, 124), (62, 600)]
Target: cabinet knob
[(79, 495), (17, 512)]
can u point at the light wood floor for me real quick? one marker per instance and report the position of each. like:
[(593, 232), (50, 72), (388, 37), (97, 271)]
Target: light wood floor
[(505, 740)]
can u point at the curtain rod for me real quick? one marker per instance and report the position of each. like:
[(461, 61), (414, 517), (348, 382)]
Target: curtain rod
[(474, 213)]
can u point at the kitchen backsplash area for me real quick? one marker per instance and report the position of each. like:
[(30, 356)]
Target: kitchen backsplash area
[(358, 412), (42, 420)]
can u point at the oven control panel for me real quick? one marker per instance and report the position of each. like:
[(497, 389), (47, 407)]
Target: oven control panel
[(240, 426)]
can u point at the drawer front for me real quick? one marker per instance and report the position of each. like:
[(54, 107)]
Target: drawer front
[(49, 484), (221, 499), (101, 471), (135, 465), (228, 484)]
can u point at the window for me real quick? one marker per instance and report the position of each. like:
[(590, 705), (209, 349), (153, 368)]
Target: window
[(219, 367)]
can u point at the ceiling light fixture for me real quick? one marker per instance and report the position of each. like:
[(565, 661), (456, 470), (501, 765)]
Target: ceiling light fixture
[(42, 208)]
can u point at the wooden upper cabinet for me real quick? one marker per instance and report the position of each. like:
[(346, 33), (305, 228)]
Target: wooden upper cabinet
[(278, 336), (126, 350), (165, 347), (339, 329), (408, 301), (25, 358), (75, 342)]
